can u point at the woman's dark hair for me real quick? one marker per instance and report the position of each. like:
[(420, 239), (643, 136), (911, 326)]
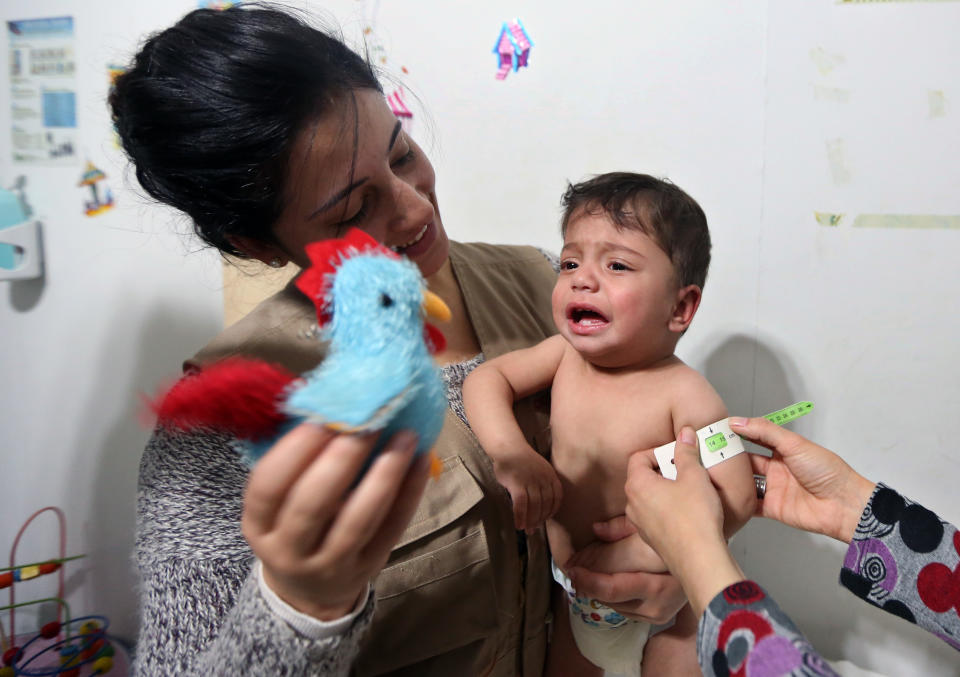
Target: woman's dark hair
[(659, 209), (210, 107)]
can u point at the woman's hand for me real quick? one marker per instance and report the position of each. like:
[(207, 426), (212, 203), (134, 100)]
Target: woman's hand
[(682, 520), (649, 597), (319, 538), (621, 570), (808, 486)]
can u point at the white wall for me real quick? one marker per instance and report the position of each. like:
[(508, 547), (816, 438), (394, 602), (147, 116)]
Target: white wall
[(123, 301), (733, 101), (859, 320)]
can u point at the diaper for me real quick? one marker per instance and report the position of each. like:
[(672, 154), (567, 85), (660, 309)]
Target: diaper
[(605, 637)]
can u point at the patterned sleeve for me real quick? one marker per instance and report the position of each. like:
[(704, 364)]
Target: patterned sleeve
[(743, 631), (903, 559), (906, 560), (201, 609)]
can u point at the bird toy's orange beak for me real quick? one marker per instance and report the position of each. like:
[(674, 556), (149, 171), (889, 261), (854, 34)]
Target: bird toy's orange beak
[(434, 307)]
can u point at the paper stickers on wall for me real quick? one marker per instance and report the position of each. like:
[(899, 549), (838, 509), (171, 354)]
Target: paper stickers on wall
[(113, 72), (512, 48), (825, 61), (911, 221), (376, 49), (43, 90), (380, 56), (827, 218), (937, 101), (94, 181), (898, 221), (399, 108), (865, 2), (836, 103)]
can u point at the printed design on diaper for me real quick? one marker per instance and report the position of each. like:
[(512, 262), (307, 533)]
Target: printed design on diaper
[(592, 612)]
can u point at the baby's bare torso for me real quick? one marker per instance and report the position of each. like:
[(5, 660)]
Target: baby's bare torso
[(598, 419)]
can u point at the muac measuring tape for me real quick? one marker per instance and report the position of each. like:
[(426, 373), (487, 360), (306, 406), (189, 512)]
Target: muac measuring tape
[(718, 442)]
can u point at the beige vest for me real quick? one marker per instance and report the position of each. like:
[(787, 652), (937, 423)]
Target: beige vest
[(457, 597)]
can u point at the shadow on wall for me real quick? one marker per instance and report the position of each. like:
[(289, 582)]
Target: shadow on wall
[(752, 377), (167, 337), (800, 570), (25, 294)]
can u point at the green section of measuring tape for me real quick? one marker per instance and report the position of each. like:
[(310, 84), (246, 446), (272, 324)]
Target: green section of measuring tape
[(716, 442), (790, 413)]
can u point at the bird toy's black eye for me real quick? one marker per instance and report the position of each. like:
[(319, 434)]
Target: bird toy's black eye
[(385, 300)]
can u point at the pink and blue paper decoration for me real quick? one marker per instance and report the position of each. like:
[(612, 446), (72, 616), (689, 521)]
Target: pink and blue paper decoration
[(512, 48)]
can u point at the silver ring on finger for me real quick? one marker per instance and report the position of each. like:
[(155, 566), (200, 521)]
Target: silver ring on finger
[(760, 481)]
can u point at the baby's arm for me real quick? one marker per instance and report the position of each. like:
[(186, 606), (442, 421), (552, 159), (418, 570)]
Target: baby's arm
[(488, 396), (697, 404)]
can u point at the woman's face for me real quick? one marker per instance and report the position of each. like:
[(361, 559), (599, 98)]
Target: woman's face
[(390, 192)]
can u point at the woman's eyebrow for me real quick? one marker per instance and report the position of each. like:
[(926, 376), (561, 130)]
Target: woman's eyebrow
[(336, 198), (393, 136), (356, 184)]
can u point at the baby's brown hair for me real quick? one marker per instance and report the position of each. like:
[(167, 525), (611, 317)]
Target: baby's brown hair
[(658, 208)]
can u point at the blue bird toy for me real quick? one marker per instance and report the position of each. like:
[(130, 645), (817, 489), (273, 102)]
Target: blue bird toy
[(378, 374)]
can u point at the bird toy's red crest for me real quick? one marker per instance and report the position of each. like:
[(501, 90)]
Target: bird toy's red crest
[(326, 256)]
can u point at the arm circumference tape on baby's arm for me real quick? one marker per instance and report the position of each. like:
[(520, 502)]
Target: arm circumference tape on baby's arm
[(717, 444)]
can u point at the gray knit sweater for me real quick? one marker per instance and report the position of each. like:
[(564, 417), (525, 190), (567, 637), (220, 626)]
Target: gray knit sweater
[(202, 612)]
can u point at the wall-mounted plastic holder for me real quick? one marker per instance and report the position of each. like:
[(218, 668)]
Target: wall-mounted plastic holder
[(21, 252)]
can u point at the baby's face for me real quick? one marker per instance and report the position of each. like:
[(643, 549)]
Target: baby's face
[(615, 295)]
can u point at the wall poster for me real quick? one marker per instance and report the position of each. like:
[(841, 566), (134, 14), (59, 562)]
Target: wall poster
[(43, 90)]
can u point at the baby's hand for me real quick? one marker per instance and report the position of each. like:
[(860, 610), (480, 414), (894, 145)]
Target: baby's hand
[(533, 486), (620, 549)]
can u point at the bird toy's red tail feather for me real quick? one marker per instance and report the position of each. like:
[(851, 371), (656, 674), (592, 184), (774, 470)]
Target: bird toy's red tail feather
[(238, 396)]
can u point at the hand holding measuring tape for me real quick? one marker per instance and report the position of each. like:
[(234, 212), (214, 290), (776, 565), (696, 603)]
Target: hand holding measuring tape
[(717, 443)]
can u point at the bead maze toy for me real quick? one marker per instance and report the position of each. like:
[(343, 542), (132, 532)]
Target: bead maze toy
[(68, 647)]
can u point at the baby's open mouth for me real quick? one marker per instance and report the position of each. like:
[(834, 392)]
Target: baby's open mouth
[(586, 316)]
